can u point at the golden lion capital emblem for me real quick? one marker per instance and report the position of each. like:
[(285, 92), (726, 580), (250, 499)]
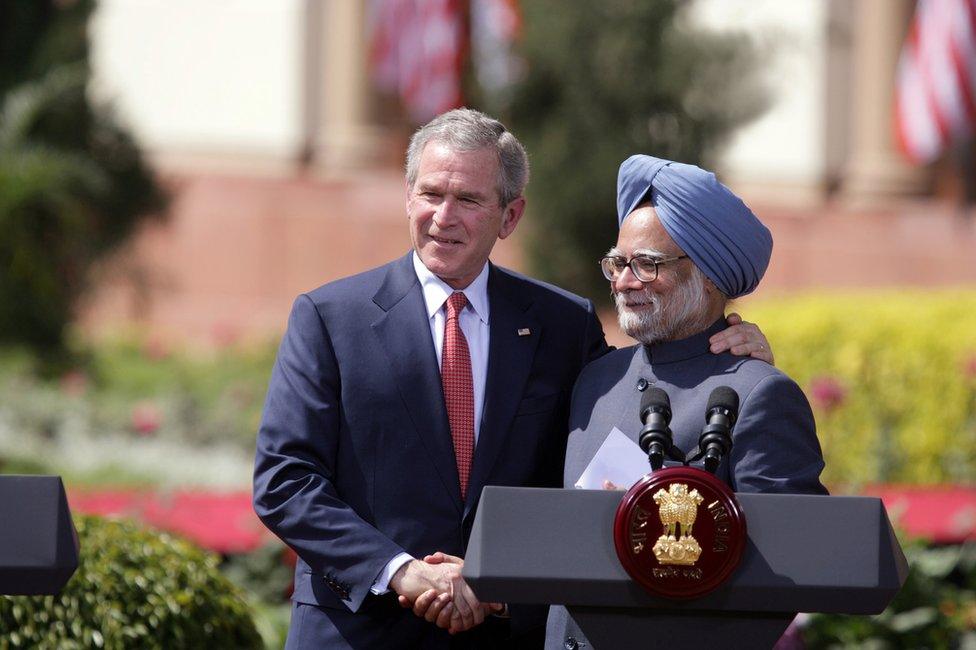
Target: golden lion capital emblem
[(678, 509)]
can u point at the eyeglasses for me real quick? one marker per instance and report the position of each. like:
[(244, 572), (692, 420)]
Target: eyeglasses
[(643, 267)]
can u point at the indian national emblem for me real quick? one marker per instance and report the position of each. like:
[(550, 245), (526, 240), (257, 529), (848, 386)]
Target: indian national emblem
[(678, 509)]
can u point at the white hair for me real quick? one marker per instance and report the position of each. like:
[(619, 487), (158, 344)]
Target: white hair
[(683, 311)]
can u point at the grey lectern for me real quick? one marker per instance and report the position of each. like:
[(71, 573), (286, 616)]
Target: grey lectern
[(803, 554), (38, 541)]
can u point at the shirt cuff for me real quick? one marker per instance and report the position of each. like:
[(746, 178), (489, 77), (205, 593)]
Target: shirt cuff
[(382, 583)]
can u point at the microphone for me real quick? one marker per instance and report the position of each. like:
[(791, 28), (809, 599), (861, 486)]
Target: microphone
[(655, 437), (720, 415)]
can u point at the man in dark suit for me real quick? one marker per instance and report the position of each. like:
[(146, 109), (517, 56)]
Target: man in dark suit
[(399, 393)]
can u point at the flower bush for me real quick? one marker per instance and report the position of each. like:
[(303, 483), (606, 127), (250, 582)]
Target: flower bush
[(890, 377), (133, 589), (128, 413)]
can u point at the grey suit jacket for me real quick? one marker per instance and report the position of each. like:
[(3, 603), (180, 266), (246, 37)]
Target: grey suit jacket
[(774, 446)]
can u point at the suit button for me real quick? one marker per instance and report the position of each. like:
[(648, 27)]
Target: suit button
[(572, 644)]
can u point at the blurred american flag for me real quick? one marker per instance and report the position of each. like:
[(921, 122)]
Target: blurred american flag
[(936, 83), (418, 49)]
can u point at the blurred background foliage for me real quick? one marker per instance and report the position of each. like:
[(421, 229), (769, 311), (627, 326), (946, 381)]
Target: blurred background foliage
[(73, 184), (891, 376), (131, 410), (605, 81), (134, 588), (935, 609)]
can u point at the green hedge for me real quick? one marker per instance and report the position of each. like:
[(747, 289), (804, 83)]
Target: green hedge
[(891, 376), (133, 589), (935, 609)]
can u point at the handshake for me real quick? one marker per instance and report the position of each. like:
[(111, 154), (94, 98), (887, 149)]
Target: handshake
[(437, 593)]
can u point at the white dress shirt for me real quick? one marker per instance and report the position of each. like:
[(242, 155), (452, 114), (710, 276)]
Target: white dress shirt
[(474, 323)]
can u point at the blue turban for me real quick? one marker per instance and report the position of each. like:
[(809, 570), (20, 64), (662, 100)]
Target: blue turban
[(711, 224)]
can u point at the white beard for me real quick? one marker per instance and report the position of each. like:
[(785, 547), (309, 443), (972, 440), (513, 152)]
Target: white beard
[(667, 318)]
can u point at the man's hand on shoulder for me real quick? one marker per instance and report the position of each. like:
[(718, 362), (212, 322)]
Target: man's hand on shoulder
[(742, 338)]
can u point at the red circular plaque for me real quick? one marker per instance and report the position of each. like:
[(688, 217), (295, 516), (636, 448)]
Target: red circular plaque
[(679, 532)]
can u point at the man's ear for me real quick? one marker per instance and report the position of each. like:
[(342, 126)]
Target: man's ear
[(710, 288), (714, 295), (511, 216)]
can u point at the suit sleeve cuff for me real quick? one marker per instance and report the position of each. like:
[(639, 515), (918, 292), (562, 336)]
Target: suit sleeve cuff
[(382, 583)]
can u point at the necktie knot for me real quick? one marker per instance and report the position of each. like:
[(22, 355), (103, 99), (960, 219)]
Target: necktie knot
[(455, 303)]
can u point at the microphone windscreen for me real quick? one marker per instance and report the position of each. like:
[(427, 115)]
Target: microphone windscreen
[(724, 397), (654, 397)]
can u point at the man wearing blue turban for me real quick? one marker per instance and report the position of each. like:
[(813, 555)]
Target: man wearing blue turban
[(687, 245)]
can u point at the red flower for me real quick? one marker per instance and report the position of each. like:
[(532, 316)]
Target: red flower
[(156, 349), (225, 334), (146, 418), (827, 393), (74, 383), (969, 367)]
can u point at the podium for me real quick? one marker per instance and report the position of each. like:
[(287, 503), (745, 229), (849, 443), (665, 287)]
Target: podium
[(38, 541), (803, 554)]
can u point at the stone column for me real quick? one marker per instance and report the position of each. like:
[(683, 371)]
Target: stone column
[(876, 169), (341, 134)]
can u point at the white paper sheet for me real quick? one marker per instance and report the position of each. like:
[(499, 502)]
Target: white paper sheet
[(618, 460)]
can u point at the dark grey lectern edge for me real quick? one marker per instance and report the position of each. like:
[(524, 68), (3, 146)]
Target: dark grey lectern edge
[(513, 590), (521, 509), (890, 543), (518, 588), (69, 546), (622, 628), (43, 573)]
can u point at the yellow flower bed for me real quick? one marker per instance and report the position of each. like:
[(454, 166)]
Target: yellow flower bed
[(891, 376)]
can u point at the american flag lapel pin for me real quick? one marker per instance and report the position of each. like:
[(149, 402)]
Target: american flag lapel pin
[(524, 331)]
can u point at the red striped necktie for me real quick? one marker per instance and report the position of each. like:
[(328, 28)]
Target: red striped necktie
[(458, 388)]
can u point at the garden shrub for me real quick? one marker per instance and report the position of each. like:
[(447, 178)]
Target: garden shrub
[(127, 410), (935, 609), (891, 376), (266, 572), (134, 588)]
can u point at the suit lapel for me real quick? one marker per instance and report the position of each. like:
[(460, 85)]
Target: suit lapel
[(404, 331), (510, 358)]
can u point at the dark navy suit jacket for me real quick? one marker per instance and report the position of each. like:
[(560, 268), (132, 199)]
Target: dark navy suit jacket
[(355, 461)]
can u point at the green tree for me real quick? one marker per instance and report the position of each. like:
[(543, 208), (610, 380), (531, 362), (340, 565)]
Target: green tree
[(73, 184), (605, 80)]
